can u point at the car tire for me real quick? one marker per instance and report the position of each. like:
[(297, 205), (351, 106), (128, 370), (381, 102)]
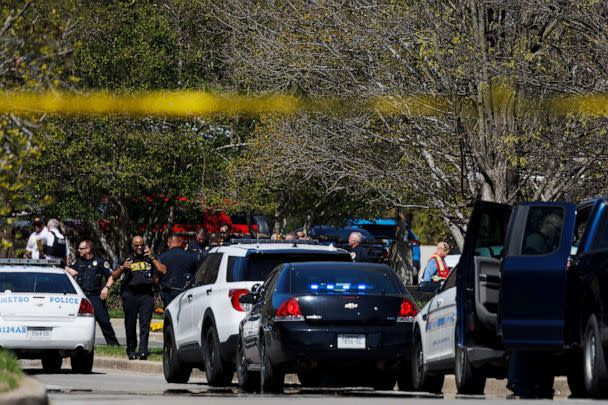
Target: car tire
[(218, 373), (82, 362), (272, 378), (421, 381), (249, 381), (469, 380), (595, 370), (576, 379), (404, 375), (52, 362), (384, 381), (173, 371), (310, 378)]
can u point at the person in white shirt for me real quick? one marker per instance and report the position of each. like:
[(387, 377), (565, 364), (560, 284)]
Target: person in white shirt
[(35, 240), (56, 245)]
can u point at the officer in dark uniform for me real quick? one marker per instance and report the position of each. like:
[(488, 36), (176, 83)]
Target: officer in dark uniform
[(177, 270), (137, 275), (90, 272), (357, 252), (199, 245)]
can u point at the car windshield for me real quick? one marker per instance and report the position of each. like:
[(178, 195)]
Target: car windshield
[(343, 281), (21, 282), (257, 266)]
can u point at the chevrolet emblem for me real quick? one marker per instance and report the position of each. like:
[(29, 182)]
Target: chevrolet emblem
[(351, 305)]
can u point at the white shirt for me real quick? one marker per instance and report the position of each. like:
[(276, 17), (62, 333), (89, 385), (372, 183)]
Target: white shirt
[(49, 239), (32, 246)]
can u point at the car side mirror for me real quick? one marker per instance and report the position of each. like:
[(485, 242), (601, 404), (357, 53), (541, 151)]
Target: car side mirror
[(248, 298)]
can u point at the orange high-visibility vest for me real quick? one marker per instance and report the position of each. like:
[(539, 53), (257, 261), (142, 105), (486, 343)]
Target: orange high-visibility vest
[(442, 268)]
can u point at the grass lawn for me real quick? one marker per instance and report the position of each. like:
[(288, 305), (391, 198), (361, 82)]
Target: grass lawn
[(156, 353), (10, 372)]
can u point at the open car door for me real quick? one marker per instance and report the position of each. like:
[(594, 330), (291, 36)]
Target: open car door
[(478, 277), (533, 292)]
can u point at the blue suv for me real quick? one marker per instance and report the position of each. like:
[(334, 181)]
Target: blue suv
[(534, 277)]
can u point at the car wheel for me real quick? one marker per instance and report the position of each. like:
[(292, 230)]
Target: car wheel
[(249, 381), (174, 372), (271, 378), (469, 380), (404, 375), (52, 362), (595, 370), (219, 374), (82, 362), (384, 381), (310, 378), (576, 379), (421, 381)]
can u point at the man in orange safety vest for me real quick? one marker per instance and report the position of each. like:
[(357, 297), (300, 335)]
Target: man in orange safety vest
[(436, 270)]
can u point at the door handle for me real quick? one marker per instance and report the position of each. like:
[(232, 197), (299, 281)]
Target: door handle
[(209, 291), (189, 296), (439, 302)]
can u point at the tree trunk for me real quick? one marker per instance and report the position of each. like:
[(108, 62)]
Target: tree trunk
[(104, 244), (400, 253)]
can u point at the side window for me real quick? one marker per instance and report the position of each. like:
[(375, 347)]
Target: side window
[(236, 268), (207, 271), (582, 218), (600, 240), (491, 234), (543, 230), (451, 280)]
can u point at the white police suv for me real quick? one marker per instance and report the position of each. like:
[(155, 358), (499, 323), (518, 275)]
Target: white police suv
[(45, 315), (201, 326)]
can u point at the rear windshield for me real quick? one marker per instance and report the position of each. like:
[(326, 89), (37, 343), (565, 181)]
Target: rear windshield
[(344, 281), (21, 282), (257, 266)]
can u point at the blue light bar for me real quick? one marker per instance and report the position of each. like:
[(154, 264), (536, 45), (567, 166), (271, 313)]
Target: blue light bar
[(361, 286), (314, 286), (330, 286)]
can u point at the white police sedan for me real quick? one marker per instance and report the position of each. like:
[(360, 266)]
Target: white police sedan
[(45, 315)]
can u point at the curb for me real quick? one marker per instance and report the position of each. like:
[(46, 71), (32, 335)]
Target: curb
[(29, 392), (493, 387)]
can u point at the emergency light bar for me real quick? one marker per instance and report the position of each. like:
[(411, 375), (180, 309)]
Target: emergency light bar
[(278, 242), (31, 262)]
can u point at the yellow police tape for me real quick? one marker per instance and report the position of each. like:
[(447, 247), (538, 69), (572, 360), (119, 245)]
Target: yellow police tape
[(200, 103)]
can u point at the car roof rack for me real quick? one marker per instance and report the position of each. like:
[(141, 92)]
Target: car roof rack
[(31, 262), (293, 242)]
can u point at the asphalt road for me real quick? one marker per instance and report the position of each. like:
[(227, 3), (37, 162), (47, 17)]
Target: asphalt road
[(104, 386)]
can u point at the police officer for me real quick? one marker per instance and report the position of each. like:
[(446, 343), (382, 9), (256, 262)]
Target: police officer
[(199, 245), (357, 252), (138, 271), (90, 271), (177, 270)]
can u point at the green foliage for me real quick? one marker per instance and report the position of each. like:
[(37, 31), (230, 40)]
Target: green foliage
[(10, 372)]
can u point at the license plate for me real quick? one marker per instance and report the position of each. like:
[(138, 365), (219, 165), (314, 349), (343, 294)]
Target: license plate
[(351, 341), (40, 333)]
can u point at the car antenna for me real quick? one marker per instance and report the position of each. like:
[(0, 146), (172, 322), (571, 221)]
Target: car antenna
[(257, 239)]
